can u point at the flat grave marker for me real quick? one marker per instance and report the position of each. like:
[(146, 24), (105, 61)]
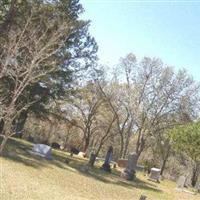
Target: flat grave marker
[(42, 150)]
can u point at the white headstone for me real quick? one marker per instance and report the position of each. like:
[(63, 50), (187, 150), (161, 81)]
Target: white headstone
[(42, 150), (155, 174), (81, 154)]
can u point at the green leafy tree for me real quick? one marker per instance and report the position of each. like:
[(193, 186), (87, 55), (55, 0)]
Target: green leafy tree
[(186, 138)]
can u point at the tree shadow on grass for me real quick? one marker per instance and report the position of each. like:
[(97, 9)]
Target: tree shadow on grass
[(114, 179), (139, 184), (18, 151)]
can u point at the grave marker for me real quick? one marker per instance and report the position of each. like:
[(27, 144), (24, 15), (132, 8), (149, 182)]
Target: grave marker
[(143, 197), (42, 150), (181, 182), (155, 174), (108, 158), (129, 172), (122, 163)]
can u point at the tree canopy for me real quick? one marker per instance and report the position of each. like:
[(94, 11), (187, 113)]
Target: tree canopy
[(44, 46), (186, 138)]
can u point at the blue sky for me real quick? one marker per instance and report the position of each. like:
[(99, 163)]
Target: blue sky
[(169, 30)]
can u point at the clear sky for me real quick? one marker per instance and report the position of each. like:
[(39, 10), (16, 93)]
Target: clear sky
[(169, 30)]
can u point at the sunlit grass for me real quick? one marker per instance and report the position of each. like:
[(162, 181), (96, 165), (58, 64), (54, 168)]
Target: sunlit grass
[(28, 177)]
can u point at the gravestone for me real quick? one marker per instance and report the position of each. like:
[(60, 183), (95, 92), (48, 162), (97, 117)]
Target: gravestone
[(155, 174), (181, 182), (129, 172), (42, 150), (198, 187), (82, 154), (122, 163), (142, 197), (31, 139), (55, 145), (74, 150), (108, 158), (62, 147)]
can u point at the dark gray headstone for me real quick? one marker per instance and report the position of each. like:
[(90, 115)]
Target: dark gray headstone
[(55, 145), (181, 182), (74, 150), (142, 197), (155, 174), (108, 159), (132, 161), (129, 172)]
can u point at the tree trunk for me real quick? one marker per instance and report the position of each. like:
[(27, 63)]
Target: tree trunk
[(163, 166), (138, 144), (7, 129), (3, 143), (87, 142), (195, 174), (140, 147), (92, 160), (20, 122), (1, 126), (164, 161), (105, 136), (126, 144), (99, 148), (128, 135), (121, 146), (125, 150)]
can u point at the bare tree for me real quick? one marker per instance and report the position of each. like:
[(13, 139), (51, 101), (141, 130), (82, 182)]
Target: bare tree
[(82, 111), (105, 125), (114, 95), (26, 58), (154, 94)]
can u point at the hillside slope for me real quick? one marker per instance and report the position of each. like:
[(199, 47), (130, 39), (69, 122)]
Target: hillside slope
[(28, 177)]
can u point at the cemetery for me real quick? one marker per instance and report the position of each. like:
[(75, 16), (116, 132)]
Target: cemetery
[(99, 100), (68, 181)]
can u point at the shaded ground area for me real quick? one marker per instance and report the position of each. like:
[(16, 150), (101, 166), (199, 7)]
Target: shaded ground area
[(25, 176)]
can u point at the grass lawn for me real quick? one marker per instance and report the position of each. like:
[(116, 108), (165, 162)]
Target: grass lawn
[(28, 177)]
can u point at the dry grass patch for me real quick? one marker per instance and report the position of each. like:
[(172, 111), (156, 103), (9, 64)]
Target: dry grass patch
[(28, 177)]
